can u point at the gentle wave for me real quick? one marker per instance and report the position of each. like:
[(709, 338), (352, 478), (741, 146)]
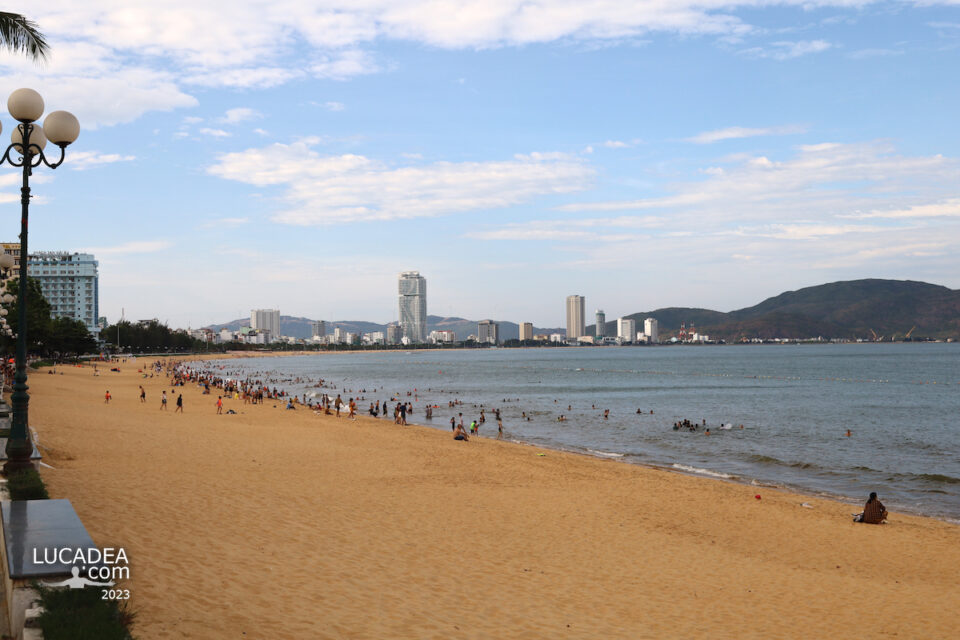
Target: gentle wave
[(762, 459), (703, 472), (605, 454)]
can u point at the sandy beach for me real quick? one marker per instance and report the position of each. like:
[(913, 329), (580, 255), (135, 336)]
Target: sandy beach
[(284, 524)]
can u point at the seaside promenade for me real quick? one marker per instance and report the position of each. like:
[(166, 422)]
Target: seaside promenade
[(284, 524)]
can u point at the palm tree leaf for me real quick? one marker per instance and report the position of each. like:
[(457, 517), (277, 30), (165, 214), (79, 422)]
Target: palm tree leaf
[(21, 35)]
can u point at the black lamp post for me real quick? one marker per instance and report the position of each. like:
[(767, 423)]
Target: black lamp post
[(29, 140)]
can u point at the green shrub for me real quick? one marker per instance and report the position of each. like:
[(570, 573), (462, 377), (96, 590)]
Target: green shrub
[(26, 485), (83, 614)]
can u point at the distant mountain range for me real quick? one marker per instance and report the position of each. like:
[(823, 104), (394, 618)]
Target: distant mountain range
[(867, 309), (300, 327)]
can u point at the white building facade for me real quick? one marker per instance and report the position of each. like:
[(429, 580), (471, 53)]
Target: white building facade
[(576, 326), (626, 329), (413, 306), (651, 330), (267, 320), (70, 283)]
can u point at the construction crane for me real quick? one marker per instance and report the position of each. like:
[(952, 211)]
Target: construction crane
[(907, 337), (876, 338)]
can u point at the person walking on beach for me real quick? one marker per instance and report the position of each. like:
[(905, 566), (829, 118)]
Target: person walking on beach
[(143, 394), (499, 428), (353, 409), (337, 403), (219, 405), (453, 423), (179, 408), (106, 398), (163, 401)]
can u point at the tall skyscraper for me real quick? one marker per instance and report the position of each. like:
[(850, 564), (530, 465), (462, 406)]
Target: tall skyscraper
[(576, 326), (266, 320), (488, 331), (651, 331), (413, 306), (627, 329), (526, 331), (70, 283), (318, 328), (601, 323)]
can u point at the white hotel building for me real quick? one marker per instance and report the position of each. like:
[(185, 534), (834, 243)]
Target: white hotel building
[(70, 283)]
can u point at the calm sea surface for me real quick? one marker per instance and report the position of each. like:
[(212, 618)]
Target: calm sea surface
[(901, 402)]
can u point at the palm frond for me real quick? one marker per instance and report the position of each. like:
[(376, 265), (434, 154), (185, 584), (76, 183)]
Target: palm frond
[(20, 35)]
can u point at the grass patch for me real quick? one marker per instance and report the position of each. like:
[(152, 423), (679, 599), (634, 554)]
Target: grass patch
[(27, 485), (83, 614), (42, 363)]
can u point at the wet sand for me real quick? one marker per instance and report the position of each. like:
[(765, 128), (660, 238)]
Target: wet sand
[(284, 524)]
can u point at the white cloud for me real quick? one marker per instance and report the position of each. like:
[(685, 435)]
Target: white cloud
[(336, 189), (731, 133), (215, 133), (787, 50), (787, 215), (114, 60), (240, 114), (945, 209), (343, 65), (334, 106), (225, 222), (615, 144), (80, 160)]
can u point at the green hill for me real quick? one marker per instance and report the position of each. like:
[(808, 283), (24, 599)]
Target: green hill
[(851, 309)]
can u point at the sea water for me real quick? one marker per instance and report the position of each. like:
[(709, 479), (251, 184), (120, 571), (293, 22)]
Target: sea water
[(901, 403)]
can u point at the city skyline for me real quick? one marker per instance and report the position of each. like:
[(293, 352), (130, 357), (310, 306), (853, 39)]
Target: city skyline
[(728, 154)]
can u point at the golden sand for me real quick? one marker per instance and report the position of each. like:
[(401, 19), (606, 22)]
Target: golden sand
[(285, 524)]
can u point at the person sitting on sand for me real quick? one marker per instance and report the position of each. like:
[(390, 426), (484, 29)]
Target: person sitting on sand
[(460, 433), (873, 512)]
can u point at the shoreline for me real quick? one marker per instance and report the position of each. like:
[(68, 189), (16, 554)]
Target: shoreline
[(275, 523), (674, 467)]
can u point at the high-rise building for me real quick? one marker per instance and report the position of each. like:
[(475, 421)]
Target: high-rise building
[(526, 331), (488, 331), (70, 284), (318, 328), (394, 333), (627, 329), (266, 320), (651, 331), (575, 316), (601, 323), (413, 306)]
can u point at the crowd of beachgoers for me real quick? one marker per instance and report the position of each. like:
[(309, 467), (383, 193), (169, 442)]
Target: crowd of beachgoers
[(259, 387)]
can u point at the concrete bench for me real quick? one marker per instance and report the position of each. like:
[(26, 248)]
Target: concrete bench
[(31, 527)]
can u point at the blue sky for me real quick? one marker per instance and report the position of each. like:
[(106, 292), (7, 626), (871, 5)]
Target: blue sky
[(297, 155)]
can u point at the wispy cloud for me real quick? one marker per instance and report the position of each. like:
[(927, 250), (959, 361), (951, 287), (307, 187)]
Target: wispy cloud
[(336, 189), (224, 222), (240, 114), (215, 133), (787, 50), (732, 133), (80, 160)]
